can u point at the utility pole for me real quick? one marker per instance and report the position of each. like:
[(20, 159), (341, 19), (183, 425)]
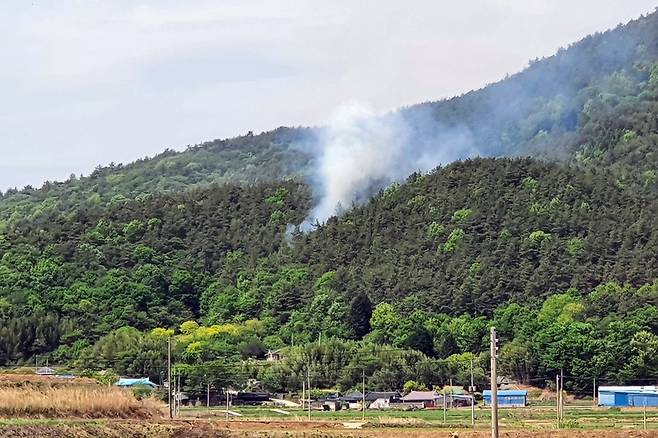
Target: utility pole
[(226, 404), (169, 377), (363, 394), (208, 397), (557, 398), (445, 406), (472, 391), (173, 393), (644, 413), (594, 392), (303, 393), (561, 394), (178, 397), (308, 383), (451, 403), (494, 385)]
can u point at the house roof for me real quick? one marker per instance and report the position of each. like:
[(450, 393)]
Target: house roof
[(421, 396), (135, 382), (630, 389), (374, 395), (507, 392), (354, 395)]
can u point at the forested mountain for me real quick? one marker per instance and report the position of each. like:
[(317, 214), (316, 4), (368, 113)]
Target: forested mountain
[(561, 254), (465, 238), (593, 103)]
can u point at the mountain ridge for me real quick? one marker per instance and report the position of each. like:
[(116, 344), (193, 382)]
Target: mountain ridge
[(556, 109)]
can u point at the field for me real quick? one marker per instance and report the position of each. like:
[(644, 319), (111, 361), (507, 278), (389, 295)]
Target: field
[(534, 418), (32, 406)]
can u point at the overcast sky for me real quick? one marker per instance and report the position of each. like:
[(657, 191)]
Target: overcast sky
[(89, 82)]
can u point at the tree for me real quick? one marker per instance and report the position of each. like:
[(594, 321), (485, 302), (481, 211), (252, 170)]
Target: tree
[(360, 314), (384, 322)]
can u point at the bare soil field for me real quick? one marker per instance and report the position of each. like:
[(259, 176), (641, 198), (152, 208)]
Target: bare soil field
[(274, 429)]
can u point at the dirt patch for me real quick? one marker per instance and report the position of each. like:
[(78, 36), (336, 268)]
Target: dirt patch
[(271, 429), (114, 430)]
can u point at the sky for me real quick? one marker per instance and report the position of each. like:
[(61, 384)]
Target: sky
[(91, 82)]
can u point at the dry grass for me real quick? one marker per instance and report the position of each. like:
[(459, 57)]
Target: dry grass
[(84, 401), (34, 379)]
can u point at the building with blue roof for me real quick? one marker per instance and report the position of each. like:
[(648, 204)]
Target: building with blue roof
[(129, 383), (623, 396), (507, 397)]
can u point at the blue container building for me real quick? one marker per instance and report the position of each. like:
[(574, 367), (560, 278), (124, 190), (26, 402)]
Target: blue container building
[(507, 397), (625, 396)]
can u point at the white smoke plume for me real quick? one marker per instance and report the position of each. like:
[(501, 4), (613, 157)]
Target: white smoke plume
[(360, 152)]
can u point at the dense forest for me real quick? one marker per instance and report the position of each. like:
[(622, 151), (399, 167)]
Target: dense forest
[(555, 242), (422, 268)]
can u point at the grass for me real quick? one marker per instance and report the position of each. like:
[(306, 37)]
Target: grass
[(85, 401)]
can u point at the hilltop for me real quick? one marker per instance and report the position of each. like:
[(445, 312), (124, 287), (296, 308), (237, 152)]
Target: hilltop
[(592, 103)]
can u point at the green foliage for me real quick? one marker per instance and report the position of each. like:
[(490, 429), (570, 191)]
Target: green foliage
[(575, 246), (412, 385), (279, 197), (530, 183), (462, 214), (435, 230), (453, 240), (539, 237)]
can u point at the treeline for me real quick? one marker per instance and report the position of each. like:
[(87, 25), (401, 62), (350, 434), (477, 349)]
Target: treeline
[(608, 334), (249, 159)]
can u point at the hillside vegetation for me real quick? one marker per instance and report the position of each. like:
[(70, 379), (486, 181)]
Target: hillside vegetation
[(561, 255), (489, 238)]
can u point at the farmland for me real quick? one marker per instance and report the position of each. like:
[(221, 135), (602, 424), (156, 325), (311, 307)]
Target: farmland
[(530, 418), (39, 406)]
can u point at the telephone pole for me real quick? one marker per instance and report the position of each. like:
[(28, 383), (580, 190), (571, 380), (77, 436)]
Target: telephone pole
[(561, 394), (445, 406), (169, 377), (494, 385), (308, 384), (363, 394), (472, 391), (557, 398), (226, 389), (178, 395)]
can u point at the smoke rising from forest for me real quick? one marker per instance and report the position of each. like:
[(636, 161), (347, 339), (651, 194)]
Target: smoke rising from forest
[(360, 153)]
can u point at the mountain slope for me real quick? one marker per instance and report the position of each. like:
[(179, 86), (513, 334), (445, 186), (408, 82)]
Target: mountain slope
[(593, 103), (481, 232), (465, 238)]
